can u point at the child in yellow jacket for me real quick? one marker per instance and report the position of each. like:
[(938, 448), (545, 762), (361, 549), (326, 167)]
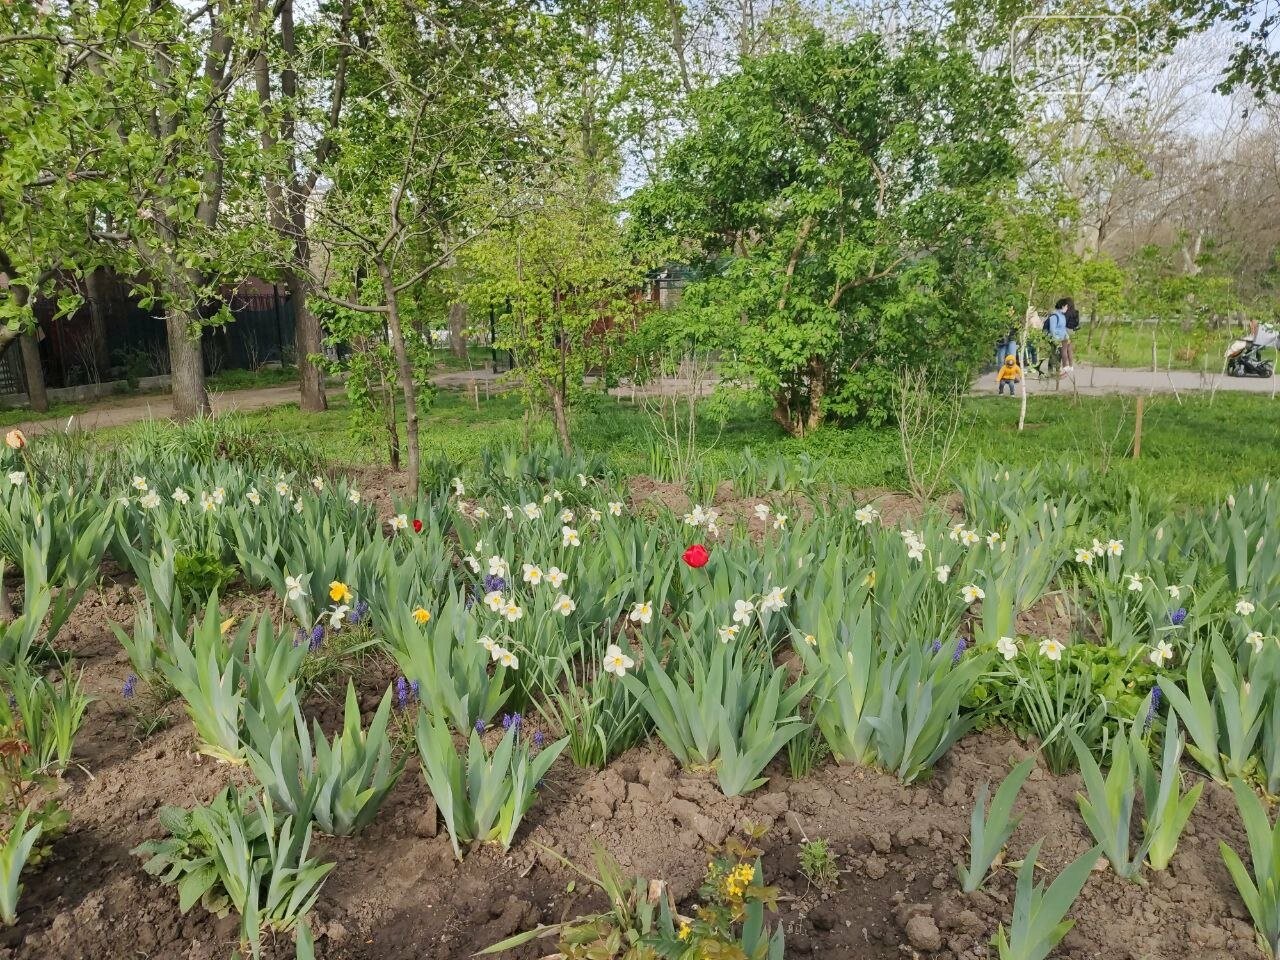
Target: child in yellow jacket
[(1010, 373)]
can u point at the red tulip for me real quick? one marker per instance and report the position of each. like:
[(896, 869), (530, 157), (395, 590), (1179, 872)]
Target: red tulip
[(697, 556), (417, 526)]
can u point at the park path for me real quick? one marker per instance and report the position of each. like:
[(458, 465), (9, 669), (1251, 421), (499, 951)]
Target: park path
[(1092, 381)]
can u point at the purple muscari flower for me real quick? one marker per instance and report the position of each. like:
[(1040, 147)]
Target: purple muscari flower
[(537, 739), (1156, 696), (317, 637), (935, 646), (1178, 616), (299, 636), (358, 614), (130, 682), (961, 646), (510, 720), (479, 726), (494, 582), (402, 692), (469, 600), (415, 688)]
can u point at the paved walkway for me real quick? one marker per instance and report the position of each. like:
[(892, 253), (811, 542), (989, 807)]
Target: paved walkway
[(1093, 381), (1096, 381)]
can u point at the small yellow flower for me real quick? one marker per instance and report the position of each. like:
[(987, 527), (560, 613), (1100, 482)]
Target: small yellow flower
[(421, 615), (339, 592), (685, 931)]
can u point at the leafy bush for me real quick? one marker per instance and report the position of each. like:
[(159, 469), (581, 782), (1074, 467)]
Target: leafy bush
[(200, 574), (342, 784), (230, 856), (482, 797)]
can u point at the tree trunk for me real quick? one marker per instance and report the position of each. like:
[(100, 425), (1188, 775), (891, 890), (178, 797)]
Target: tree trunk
[(562, 421), (404, 373), (97, 292), (307, 343), (186, 369), (37, 395), (458, 329)]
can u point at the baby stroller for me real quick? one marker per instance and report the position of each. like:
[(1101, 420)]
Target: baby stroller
[(1244, 356)]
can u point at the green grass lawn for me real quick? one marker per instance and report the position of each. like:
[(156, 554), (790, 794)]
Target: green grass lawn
[(57, 411), (1129, 345), (1194, 450)]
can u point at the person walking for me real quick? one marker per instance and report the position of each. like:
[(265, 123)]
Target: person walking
[(1059, 324)]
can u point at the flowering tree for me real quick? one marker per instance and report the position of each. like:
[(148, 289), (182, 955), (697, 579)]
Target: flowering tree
[(838, 197)]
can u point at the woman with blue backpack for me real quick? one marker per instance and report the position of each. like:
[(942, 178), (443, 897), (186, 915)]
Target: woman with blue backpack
[(1058, 325)]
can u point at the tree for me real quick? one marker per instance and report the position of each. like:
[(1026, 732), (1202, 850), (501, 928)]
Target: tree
[(562, 268), (425, 151), (840, 198)]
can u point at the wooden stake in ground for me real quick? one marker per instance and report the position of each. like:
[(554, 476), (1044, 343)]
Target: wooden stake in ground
[(1137, 429)]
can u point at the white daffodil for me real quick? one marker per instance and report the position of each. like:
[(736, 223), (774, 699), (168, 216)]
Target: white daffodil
[(253, 496), (1085, 556), (532, 574), (956, 530), (564, 605), (353, 495), (17, 478), (512, 611), (181, 496), (727, 633), (1162, 653), (293, 587), (1244, 607), (1175, 592), (219, 495), (743, 611), (617, 662), (1135, 582), (1098, 548), (472, 563), (615, 508), (140, 483), (762, 511), (497, 566), (696, 517), (1115, 548), (942, 572), (493, 600), (1254, 639), (569, 537), (915, 550), (810, 639), (532, 511), (772, 601), (337, 615), (566, 515), (968, 538), (546, 498), (282, 488), (509, 660), (779, 521), (993, 538), (595, 515), (582, 480), (489, 645), (1007, 647), (556, 577), (971, 593), (641, 612), (458, 489), (399, 522), (318, 483), (150, 500), (297, 506), (507, 512), (1051, 649), (207, 503), (866, 515), (713, 529), (480, 512)]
